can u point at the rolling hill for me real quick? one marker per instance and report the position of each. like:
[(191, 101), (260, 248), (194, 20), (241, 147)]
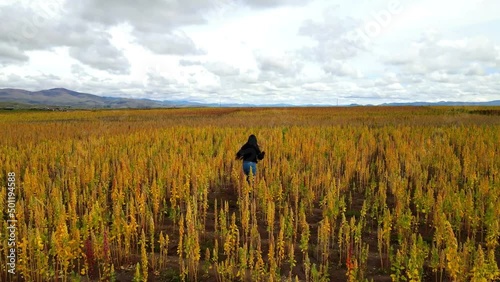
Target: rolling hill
[(60, 97)]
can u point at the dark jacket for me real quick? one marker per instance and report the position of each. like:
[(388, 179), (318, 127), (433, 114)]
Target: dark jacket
[(250, 152)]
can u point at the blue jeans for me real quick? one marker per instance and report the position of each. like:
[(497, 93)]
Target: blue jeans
[(247, 166)]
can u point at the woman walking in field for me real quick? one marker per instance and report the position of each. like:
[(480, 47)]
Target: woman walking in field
[(250, 154)]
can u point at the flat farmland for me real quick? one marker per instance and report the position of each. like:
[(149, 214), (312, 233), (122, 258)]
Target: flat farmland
[(343, 194)]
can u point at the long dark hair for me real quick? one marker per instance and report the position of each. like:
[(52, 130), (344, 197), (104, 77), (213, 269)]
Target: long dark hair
[(252, 140)]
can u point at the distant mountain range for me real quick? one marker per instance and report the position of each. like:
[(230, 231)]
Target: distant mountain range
[(64, 98), (60, 97), (446, 103)]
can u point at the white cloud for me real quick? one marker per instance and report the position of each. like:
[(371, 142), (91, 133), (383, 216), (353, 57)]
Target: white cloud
[(278, 64), (318, 86), (248, 51), (11, 54), (341, 68), (334, 38), (103, 56), (39, 27), (186, 63), (221, 69), (435, 54), (153, 16), (274, 3), (170, 43)]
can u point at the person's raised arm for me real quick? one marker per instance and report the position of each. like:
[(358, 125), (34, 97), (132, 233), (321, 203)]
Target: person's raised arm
[(260, 154)]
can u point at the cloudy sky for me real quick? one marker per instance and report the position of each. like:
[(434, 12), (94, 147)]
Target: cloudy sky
[(255, 51)]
